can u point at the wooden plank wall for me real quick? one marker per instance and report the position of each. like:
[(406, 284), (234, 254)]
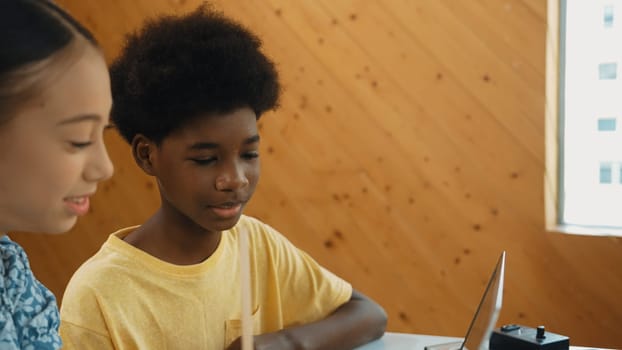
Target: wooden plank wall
[(408, 152)]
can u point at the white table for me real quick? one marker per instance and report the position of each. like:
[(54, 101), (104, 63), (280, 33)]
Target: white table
[(404, 341)]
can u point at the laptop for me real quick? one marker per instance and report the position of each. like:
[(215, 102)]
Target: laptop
[(486, 315)]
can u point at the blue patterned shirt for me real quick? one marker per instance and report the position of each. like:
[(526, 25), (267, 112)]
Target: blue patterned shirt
[(28, 312)]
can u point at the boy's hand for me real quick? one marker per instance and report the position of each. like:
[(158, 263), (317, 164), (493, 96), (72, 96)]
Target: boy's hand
[(268, 341), (354, 323)]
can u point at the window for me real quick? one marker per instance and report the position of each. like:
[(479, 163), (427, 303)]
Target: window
[(583, 109)]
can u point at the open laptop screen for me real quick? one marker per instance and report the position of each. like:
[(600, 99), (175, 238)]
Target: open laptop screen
[(488, 310)]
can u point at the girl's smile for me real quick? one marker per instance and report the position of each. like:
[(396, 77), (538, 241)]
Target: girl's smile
[(78, 205)]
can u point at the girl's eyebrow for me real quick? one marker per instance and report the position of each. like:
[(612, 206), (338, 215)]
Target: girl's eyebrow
[(80, 118)]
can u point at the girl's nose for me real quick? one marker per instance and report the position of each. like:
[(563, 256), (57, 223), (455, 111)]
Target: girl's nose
[(99, 166)]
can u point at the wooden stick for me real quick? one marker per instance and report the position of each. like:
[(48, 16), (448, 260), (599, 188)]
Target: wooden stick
[(245, 284)]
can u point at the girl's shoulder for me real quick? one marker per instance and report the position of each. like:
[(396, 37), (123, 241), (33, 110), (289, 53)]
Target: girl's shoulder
[(17, 281), (14, 266), (29, 313)]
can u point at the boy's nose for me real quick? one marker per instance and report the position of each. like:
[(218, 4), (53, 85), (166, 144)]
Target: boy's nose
[(231, 180)]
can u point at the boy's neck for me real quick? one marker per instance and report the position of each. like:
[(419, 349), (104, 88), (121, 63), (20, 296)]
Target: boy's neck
[(169, 242)]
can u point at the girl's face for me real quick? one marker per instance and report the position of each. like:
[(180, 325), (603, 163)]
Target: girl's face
[(208, 170), (52, 153)]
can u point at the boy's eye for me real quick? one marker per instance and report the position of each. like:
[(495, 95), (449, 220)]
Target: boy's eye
[(250, 155), (203, 161), (77, 144)]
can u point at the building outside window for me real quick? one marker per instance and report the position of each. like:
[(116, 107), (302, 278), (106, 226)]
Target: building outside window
[(589, 113)]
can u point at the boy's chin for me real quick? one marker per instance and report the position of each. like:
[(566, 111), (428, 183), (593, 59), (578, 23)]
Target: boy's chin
[(222, 224)]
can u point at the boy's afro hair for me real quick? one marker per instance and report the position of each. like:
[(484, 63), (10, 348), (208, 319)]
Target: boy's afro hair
[(178, 67)]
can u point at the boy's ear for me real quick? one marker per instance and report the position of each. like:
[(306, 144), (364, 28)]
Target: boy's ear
[(143, 151)]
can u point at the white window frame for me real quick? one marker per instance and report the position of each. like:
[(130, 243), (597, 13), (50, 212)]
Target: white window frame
[(554, 180)]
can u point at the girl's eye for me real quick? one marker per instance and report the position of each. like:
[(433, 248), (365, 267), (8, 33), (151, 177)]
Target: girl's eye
[(76, 144)]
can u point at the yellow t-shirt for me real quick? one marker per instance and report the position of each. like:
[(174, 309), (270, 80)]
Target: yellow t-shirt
[(124, 298)]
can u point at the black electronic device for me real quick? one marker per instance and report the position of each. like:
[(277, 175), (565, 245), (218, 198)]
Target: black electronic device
[(517, 337)]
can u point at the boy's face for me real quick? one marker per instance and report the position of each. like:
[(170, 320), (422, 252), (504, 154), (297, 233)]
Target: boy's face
[(208, 169)]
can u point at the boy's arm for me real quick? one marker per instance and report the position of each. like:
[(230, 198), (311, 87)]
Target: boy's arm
[(354, 323), (80, 338)]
